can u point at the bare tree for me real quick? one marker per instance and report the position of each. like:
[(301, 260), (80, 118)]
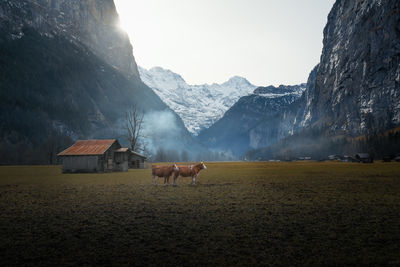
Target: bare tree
[(134, 127)]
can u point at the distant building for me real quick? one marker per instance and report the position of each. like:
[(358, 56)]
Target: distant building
[(387, 158), (304, 158), (347, 158), (334, 157), (99, 156), (364, 158)]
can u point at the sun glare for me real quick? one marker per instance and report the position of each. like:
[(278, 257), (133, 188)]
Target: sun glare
[(121, 25), (124, 22)]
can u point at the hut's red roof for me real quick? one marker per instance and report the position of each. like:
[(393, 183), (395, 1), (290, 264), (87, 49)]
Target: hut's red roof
[(88, 147)]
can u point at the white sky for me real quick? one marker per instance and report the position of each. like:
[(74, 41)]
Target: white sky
[(206, 41)]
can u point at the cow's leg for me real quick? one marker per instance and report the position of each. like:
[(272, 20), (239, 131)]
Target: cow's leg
[(193, 179), (175, 178), (166, 180), (154, 180)]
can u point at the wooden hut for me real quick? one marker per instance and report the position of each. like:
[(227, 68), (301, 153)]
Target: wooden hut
[(94, 156), (364, 158)]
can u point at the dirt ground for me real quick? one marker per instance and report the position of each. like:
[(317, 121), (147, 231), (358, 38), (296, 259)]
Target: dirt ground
[(238, 214)]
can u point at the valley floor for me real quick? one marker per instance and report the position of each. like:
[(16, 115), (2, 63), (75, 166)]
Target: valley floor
[(302, 213)]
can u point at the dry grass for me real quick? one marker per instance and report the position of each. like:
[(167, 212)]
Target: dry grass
[(237, 214)]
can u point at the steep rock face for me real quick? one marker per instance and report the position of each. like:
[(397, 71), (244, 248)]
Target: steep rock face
[(357, 87), (299, 115), (199, 106), (253, 121), (91, 22)]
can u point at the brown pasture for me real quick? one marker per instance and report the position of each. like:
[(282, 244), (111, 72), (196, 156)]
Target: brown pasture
[(302, 213)]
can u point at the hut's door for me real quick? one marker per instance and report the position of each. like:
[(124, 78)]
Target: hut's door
[(110, 164)]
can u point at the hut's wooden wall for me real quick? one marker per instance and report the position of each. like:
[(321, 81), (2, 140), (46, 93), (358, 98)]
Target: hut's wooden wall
[(81, 164)]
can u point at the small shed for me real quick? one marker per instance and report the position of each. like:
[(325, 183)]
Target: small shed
[(364, 158), (93, 156), (121, 159), (136, 160)]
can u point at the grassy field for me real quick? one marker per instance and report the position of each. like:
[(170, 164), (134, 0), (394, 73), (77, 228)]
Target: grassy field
[(300, 213)]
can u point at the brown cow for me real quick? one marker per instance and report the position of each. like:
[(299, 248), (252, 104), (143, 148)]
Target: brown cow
[(189, 171), (163, 171)]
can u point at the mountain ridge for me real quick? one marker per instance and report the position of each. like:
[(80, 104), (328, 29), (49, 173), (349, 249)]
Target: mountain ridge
[(253, 121), (199, 106)]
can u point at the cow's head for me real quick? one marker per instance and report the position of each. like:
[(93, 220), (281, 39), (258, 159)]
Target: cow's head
[(203, 166), (176, 168)]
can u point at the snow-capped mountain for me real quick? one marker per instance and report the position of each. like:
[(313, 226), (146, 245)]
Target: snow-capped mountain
[(199, 106)]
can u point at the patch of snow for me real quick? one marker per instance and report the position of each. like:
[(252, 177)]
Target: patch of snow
[(279, 95)]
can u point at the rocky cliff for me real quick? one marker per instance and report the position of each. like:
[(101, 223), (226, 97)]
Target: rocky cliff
[(298, 117), (353, 92), (357, 84), (91, 22)]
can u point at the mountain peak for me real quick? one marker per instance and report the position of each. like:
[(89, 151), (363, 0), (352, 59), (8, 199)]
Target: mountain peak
[(237, 80), (166, 72), (157, 77)]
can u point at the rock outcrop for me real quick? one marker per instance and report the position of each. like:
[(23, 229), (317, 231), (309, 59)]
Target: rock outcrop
[(91, 22), (357, 85)]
